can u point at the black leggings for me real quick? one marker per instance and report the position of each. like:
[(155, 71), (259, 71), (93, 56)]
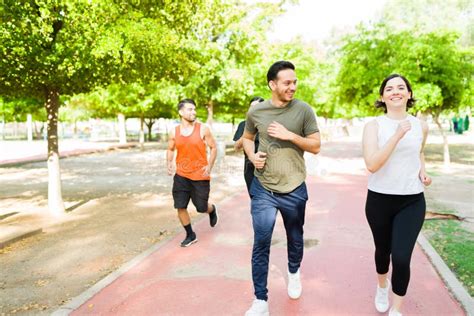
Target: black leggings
[(395, 221)]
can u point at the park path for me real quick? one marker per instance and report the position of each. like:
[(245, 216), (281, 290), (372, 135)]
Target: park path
[(213, 276), (17, 152)]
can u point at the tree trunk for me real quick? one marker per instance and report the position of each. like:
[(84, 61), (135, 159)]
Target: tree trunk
[(122, 129), (142, 134), (149, 125), (446, 156), (15, 129), (37, 134), (2, 128), (74, 130), (55, 199), (167, 130), (29, 127), (44, 130), (210, 112)]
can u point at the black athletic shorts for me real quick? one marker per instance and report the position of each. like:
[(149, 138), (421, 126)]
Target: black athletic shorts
[(185, 189)]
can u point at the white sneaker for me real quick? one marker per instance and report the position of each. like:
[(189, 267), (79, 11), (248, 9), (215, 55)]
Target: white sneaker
[(381, 298), (294, 285), (258, 308), (393, 312)]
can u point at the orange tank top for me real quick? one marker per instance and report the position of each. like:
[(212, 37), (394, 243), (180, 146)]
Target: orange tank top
[(192, 155)]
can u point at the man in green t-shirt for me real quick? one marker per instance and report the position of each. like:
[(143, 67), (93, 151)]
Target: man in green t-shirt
[(287, 128)]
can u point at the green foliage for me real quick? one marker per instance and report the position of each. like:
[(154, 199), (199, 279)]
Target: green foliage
[(230, 45), (75, 109), (433, 62), (73, 46), (427, 94), (49, 44), (16, 110), (311, 71), (221, 59), (152, 100)]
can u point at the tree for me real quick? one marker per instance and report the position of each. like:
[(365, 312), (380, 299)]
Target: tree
[(16, 110), (231, 46), (21, 110), (55, 47), (75, 110), (146, 101), (163, 98), (439, 70)]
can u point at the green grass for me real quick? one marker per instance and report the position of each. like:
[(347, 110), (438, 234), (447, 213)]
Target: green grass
[(453, 242), (456, 246), (433, 173)]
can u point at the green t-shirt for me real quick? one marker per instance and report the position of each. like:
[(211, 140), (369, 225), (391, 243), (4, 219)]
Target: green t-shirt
[(284, 168)]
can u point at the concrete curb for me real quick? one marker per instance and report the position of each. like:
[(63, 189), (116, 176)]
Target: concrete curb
[(18, 236), (453, 284), (79, 300)]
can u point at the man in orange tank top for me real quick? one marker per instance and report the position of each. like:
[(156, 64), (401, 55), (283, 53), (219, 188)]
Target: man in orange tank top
[(193, 171)]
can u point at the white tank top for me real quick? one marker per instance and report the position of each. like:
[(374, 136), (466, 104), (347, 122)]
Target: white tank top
[(400, 173)]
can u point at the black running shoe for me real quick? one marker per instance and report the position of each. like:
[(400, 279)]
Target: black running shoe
[(213, 217), (191, 239)]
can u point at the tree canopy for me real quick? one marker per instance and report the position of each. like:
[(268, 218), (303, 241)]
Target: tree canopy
[(433, 63)]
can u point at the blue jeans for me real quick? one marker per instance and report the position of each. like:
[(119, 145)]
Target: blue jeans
[(265, 205)]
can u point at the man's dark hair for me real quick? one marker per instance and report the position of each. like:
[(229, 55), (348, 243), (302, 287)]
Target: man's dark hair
[(259, 99), (277, 67), (184, 101), (381, 104)]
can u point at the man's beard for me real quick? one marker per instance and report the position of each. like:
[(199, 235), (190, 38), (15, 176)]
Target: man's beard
[(189, 120), (285, 98)]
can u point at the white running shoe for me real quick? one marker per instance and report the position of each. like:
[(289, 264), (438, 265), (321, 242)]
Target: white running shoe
[(258, 308), (393, 312), (294, 285), (381, 298)]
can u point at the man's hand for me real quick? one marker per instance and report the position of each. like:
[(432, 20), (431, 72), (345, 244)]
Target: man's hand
[(279, 131), (206, 171), (239, 144), (170, 169), (258, 159)]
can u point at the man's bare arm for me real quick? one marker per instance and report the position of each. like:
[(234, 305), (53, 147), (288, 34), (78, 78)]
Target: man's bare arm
[(239, 144), (170, 153), (211, 142), (257, 158)]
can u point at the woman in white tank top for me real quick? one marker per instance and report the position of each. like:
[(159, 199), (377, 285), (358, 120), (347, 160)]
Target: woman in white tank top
[(393, 153)]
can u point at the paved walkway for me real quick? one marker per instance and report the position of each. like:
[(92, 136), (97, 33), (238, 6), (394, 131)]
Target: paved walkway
[(213, 276), (13, 153), (17, 152)]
